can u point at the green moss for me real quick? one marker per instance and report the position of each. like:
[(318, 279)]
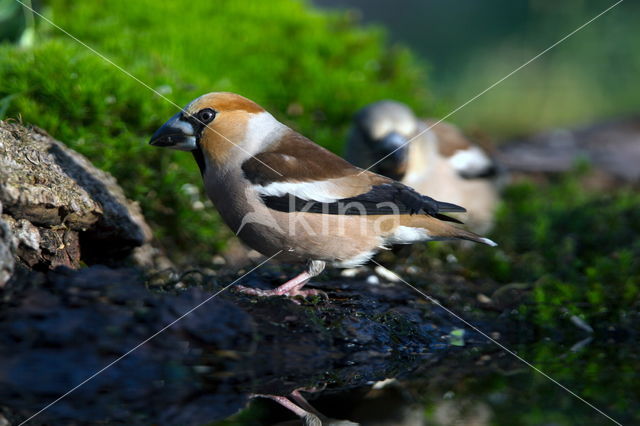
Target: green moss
[(311, 69)]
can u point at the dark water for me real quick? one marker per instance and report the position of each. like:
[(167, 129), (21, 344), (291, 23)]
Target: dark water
[(487, 386), (373, 353)]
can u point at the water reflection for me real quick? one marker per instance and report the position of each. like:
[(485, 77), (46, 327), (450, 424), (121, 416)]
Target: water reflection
[(374, 355), (488, 388)]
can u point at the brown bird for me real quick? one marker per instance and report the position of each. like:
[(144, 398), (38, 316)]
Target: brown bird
[(287, 197), (433, 158)]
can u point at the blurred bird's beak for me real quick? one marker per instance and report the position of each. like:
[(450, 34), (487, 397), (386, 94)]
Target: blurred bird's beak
[(393, 148), (394, 144), (177, 133)]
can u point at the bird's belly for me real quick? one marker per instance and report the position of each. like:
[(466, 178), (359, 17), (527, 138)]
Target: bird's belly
[(297, 235), (304, 236)]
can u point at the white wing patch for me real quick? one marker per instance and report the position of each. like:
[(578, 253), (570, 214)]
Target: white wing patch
[(321, 191), (472, 161)]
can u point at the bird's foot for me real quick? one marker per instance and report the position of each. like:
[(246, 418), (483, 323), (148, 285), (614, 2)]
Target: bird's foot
[(259, 292), (288, 292), (308, 293), (309, 417), (291, 288), (301, 407)]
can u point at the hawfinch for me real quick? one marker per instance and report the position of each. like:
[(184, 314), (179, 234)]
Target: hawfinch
[(287, 197), (440, 161)]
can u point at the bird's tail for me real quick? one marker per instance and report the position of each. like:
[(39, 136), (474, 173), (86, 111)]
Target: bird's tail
[(444, 207), (438, 229)]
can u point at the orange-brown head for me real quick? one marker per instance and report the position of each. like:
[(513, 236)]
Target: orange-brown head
[(217, 126)]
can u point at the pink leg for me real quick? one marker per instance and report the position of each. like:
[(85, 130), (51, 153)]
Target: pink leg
[(291, 288), (301, 407), (302, 402), (286, 403)]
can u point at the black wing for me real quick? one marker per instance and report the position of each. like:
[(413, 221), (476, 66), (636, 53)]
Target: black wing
[(386, 199)]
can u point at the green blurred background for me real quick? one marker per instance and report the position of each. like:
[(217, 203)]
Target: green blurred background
[(471, 44)]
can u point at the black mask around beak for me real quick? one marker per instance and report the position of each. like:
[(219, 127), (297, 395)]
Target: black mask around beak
[(393, 148), (177, 133)]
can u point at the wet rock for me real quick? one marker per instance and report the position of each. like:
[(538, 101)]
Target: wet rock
[(61, 209)]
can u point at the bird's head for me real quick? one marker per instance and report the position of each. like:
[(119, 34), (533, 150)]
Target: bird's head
[(216, 125), (385, 128)]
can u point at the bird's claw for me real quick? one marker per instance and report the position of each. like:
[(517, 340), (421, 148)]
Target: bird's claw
[(307, 293), (276, 292)]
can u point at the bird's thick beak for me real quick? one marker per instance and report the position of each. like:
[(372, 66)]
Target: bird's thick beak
[(393, 148), (394, 143), (177, 133)]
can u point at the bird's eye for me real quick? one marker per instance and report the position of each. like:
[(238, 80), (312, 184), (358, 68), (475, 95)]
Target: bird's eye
[(206, 115)]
